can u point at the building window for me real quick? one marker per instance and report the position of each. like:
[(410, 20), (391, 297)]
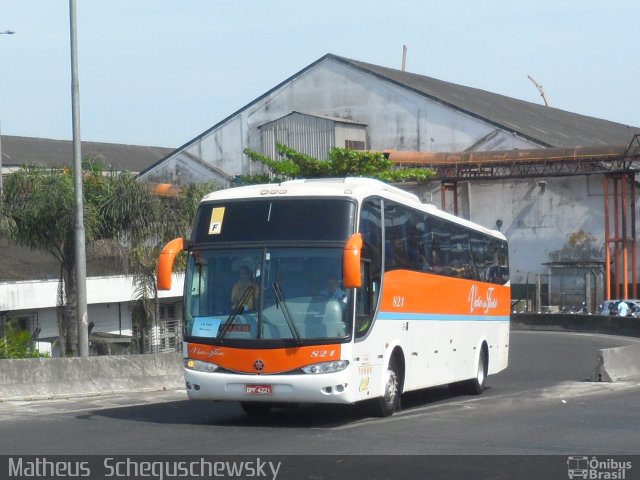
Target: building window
[(354, 144), (167, 311)]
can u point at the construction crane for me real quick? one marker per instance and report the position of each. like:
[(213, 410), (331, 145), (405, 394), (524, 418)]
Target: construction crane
[(539, 87)]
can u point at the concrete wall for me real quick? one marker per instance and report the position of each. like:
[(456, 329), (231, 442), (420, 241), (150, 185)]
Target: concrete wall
[(627, 326), (42, 378)]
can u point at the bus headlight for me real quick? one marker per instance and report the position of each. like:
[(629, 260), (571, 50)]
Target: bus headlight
[(199, 366), (326, 367)]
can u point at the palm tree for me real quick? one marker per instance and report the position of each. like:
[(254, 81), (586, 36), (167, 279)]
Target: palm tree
[(37, 212), (176, 218)]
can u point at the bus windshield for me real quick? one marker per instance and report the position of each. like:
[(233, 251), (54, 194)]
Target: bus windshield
[(274, 220), (264, 294)]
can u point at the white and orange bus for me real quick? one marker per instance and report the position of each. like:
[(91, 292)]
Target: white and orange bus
[(337, 291)]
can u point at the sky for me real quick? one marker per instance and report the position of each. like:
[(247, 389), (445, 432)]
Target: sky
[(160, 72)]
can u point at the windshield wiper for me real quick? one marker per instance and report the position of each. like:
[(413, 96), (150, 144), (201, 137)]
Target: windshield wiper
[(226, 326), (285, 311)]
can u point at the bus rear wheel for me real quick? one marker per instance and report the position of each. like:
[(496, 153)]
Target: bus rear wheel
[(256, 409), (389, 402), (476, 385)]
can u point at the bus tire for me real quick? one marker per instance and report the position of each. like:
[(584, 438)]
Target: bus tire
[(389, 402), (256, 409), (476, 385)]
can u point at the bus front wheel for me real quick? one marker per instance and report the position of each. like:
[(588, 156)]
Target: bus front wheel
[(389, 402)]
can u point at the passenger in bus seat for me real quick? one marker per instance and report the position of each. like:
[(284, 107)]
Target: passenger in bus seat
[(399, 257), (436, 263)]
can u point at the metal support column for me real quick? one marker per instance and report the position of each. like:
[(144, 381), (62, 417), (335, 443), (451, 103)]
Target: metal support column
[(449, 187), (623, 239), (634, 250), (616, 234), (607, 242)]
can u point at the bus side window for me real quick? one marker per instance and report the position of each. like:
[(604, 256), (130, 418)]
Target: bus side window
[(367, 297), (499, 262)]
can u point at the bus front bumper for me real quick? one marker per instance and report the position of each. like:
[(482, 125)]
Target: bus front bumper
[(294, 388)]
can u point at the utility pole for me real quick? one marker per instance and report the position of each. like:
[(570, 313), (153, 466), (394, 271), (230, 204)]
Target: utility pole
[(79, 233), (539, 87), (404, 57)]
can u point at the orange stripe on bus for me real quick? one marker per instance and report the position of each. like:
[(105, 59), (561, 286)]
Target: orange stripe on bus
[(405, 291), (276, 360)]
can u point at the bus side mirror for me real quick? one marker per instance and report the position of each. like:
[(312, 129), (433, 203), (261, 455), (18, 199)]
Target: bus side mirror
[(351, 277), (165, 262)]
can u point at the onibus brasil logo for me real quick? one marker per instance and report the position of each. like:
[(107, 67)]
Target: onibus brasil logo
[(594, 468)]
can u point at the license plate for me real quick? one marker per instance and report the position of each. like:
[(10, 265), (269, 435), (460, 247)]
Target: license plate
[(259, 389)]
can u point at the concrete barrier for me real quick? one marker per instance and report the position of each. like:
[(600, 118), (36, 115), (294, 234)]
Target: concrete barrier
[(612, 364), (608, 325), (42, 378), (617, 363)]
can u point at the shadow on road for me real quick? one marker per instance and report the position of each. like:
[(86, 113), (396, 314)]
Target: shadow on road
[(537, 361), (192, 412)]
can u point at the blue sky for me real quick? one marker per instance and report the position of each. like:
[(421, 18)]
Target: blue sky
[(159, 72)]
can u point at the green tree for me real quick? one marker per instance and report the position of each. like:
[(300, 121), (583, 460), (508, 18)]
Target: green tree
[(37, 212), (16, 343), (342, 162)]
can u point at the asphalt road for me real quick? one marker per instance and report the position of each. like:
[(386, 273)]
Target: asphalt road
[(540, 405)]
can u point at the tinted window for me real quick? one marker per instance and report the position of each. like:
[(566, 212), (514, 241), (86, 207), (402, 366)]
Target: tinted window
[(274, 220), (421, 242)]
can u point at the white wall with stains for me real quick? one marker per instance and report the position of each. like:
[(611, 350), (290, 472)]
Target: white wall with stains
[(396, 118)]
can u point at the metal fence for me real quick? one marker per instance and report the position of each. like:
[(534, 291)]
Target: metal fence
[(164, 336)]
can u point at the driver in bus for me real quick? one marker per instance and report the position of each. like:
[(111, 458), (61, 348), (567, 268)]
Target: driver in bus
[(240, 287), (332, 291)]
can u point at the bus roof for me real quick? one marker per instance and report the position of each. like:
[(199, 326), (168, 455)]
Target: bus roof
[(348, 187)]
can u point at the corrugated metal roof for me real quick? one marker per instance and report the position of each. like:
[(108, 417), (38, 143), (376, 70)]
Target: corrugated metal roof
[(18, 151), (546, 125)]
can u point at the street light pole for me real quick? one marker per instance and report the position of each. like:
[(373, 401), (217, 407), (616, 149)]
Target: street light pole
[(6, 32), (79, 233)]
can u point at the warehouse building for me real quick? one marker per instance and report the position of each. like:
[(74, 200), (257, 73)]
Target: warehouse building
[(552, 211)]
